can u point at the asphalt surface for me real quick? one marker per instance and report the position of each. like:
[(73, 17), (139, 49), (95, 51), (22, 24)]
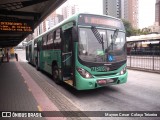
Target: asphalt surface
[(140, 93)]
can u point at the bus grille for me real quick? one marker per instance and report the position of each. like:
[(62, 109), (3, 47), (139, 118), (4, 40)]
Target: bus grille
[(105, 74)]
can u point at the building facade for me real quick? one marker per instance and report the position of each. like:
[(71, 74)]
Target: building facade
[(112, 8), (131, 12), (157, 12), (155, 28), (69, 10), (53, 19), (124, 9)]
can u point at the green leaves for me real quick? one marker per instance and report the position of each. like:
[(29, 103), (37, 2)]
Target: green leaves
[(130, 31)]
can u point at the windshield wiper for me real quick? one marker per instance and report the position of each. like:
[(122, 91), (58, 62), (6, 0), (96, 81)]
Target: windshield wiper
[(114, 37), (115, 34), (99, 39), (98, 36)]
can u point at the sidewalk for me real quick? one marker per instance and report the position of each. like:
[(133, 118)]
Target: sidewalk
[(13, 91), (19, 92)]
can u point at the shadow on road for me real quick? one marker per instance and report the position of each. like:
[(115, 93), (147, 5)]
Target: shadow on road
[(90, 93)]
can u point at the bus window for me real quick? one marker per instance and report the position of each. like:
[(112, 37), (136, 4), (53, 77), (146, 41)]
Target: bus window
[(67, 42), (44, 42), (50, 41), (57, 40), (39, 44), (119, 42), (83, 42), (35, 43)]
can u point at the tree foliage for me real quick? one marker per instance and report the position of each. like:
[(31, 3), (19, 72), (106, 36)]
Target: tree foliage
[(128, 28), (130, 31)]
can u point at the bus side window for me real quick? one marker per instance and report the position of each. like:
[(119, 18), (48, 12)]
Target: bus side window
[(50, 41), (57, 40), (83, 41), (44, 47), (67, 43), (39, 44), (35, 45)]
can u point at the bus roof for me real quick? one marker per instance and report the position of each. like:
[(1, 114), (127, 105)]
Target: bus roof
[(74, 18)]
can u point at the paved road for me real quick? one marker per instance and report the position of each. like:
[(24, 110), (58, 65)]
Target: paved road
[(140, 93)]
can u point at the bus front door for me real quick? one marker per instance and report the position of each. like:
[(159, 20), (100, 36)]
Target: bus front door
[(67, 57)]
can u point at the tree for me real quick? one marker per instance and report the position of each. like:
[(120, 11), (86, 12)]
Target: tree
[(146, 31), (137, 32), (130, 31), (128, 27)]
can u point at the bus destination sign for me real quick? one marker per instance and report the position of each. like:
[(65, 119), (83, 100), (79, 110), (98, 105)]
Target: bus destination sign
[(100, 21), (8, 26)]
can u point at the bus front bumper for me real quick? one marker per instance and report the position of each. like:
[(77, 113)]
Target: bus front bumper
[(97, 82)]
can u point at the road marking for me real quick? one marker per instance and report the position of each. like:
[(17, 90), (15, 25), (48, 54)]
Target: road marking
[(39, 108)]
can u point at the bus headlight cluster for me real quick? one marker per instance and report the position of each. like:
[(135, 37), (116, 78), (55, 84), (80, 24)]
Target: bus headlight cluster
[(84, 73), (123, 71)]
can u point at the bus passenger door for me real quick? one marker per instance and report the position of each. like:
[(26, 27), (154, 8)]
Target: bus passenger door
[(67, 56), (38, 55)]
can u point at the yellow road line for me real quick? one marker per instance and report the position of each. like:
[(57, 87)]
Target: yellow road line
[(39, 108)]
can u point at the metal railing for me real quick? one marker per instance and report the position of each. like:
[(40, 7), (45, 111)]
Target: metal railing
[(148, 61)]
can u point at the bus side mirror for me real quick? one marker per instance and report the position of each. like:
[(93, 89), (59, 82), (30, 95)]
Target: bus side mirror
[(74, 34)]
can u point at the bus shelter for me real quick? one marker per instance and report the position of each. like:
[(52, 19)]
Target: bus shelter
[(144, 52)]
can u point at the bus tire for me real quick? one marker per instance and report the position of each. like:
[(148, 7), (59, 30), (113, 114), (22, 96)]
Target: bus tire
[(56, 74)]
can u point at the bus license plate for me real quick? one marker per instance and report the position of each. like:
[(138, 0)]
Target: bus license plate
[(104, 81), (110, 80)]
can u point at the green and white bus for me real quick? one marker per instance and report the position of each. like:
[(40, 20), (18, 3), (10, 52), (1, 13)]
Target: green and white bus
[(86, 51)]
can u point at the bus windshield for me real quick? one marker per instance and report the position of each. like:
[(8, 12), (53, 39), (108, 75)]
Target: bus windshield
[(90, 49)]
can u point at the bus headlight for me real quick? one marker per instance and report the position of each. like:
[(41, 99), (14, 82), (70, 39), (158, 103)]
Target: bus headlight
[(84, 73), (123, 71)]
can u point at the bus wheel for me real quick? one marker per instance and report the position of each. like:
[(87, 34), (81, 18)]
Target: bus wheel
[(56, 74)]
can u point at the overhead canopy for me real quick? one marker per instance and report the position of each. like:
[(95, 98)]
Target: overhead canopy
[(149, 37), (18, 18)]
